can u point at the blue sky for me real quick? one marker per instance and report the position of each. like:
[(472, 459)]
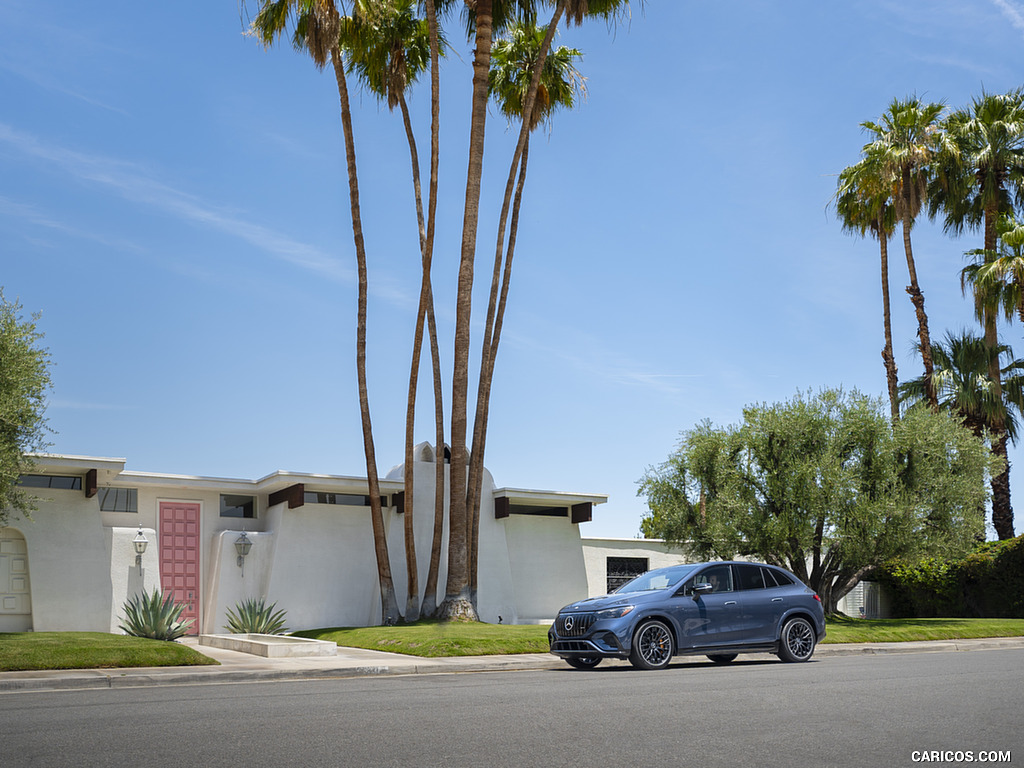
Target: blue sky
[(173, 202)]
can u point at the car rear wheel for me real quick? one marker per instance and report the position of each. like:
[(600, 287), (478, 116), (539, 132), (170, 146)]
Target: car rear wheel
[(721, 658), (652, 646), (583, 662), (797, 640)]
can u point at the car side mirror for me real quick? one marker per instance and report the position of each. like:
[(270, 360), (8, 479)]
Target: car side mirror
[(702, 589)]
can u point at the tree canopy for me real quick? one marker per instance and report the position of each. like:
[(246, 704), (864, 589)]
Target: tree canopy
[(825, 485), (24, 382)]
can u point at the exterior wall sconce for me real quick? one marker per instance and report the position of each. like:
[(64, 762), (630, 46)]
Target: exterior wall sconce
[(242, 547), (140, 542)]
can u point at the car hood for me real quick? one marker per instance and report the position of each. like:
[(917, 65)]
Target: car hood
[(609, 601)]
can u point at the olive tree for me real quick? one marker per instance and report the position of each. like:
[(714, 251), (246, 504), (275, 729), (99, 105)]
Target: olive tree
[(24, 381), (825, 485)]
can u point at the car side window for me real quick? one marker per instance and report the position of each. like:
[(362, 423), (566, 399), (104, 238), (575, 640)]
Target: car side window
[(783, 579), (769, 578), (718, 576), (749, 576)]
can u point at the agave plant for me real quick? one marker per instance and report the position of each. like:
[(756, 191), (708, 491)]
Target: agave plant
[(156, 617), (255, 617)]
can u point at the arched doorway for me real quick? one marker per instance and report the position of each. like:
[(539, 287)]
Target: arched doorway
[(15, 596)]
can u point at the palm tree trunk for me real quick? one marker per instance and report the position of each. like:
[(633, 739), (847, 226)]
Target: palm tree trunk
[(487, 371), (389, 602), (488, 349), (412, 603), (917, 298), (1002, 509), (429, 607), (457, 603), (887, 355)]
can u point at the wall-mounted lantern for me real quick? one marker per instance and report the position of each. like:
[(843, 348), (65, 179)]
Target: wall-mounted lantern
[(242, 547), (140, 542)]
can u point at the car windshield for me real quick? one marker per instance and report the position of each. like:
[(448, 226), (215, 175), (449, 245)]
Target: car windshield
[(660, 578)]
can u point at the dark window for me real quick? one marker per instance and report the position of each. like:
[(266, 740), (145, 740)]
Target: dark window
[(623, 569), (781, 577), (119, 499), (344, 499), (57, 482), (749, 576), (525, 509), (232, 505)]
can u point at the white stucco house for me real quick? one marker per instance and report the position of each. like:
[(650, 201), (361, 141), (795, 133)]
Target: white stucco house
[(74, 564)]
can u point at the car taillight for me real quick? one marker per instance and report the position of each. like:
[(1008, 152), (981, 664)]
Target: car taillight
[(816, 597)]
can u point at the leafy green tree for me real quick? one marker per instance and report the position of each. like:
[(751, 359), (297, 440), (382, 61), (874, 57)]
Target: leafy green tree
[(825, 485), (905, 141), (24, 382), (981, 176), (864, 205)]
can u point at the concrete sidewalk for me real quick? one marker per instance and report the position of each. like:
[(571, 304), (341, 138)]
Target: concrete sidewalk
[(237, 667)]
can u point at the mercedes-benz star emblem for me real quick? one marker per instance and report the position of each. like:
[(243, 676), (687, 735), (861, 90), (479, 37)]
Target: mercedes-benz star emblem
[(568, 623)]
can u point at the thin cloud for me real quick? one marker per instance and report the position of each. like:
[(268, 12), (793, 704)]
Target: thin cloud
[(32, 215), (133, 184), (1013, 13)]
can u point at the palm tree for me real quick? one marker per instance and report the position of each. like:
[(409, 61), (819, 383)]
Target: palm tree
[(513, 60), (997, 282), (485, 17), (316, 27), (965, 387), (905, 140), (864, 205), (981, 175), (389, 47)]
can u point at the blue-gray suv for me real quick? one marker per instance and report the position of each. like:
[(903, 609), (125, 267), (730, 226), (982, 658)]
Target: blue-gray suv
[(716, 609)]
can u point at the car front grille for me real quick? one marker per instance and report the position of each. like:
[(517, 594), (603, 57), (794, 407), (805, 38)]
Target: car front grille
[(574, 624)]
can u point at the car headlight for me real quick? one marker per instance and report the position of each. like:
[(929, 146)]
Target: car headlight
[(614, 613)]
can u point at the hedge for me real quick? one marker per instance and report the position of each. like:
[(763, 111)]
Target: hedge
[(988, 583)]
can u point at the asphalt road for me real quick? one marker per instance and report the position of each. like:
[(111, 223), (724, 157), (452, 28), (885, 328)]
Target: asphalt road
[(847, 711)]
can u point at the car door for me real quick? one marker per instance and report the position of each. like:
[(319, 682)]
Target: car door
[(760, 606), (709, 619)]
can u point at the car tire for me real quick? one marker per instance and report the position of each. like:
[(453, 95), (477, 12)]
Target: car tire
[(653, 645), (796, 643), (583, 662), (722, 658)]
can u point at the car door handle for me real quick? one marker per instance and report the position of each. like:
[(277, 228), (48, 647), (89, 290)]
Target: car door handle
[(776, 599), (730, 602)]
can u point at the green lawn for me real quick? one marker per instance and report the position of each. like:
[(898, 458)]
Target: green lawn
[(91, 650), (433, 639), (904, 630)]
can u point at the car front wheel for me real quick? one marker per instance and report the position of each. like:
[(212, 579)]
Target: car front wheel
[(583, 662), (652, 646), (797, 640)]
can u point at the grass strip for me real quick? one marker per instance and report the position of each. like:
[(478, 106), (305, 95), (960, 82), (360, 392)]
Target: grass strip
[(91, 650), (844, 630), (433, 639)]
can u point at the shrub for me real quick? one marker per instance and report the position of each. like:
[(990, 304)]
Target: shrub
[(156, 617), (255, 617), (988, 583)]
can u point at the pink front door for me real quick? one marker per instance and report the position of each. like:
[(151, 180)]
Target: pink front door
[(179, 557)]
